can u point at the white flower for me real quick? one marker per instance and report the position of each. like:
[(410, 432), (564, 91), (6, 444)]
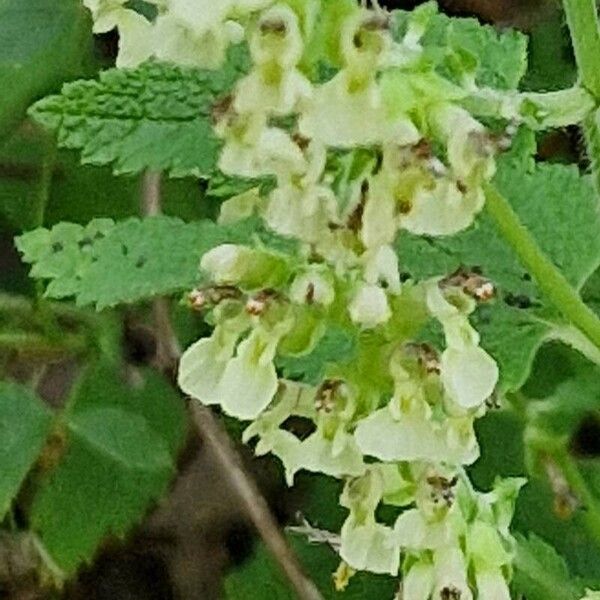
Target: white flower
[(491, 585), (469, 150), (275, 85), (442, 210), (369, 306), (226, 263), (341, 116), (239, 207), (337, 457), (414, 435), (370, 547), (365, 544), (469, 375), (278, 95), (256, 151), (450, 573), (417, 583), (381, 266), (201, 369), (277, 38), (196, 32), (136, 38), (312, 286), (249, 381), (380, 221), (301, 212), (203, 364)]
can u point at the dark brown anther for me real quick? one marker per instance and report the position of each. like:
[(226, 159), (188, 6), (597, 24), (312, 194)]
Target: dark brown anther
[(422, 149), (461, 186), (310, 293), (301, 141), (221, 108), (450, 593), (483, 143), (199, 299), (427, 356), (403, 206), (275, 26), (257, 305), (493, 402), (472, 283), (442, 489), (326, 395), (355, 219)]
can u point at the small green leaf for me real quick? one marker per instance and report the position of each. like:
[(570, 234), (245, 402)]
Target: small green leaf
[(541, 573), (455, 45), (24, 425), (106, 264)]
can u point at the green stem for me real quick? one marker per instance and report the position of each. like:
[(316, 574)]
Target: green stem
[(579, 486), (548, 277), (582, 17)]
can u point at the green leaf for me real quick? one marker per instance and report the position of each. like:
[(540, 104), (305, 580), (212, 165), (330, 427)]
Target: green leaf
[(453, 45), (122, 438), (319, 561), (106, 264), (553, 201), (157, 117), (541, 573), (42, 43), (24, 424), (121, 444)]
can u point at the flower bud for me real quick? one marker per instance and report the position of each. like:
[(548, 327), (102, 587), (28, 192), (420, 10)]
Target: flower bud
[(369, 307)]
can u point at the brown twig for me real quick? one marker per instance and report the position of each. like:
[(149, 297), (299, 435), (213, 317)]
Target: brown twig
[(252, 501), (213, 434)]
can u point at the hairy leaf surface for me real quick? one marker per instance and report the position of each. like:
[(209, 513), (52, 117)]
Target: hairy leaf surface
[(158, 116), (107, 263)]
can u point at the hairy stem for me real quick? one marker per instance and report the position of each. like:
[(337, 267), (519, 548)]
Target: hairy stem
[(548, 277), (582, 17)]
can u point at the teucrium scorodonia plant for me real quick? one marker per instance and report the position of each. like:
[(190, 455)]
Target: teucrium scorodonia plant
[(348, 132)]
